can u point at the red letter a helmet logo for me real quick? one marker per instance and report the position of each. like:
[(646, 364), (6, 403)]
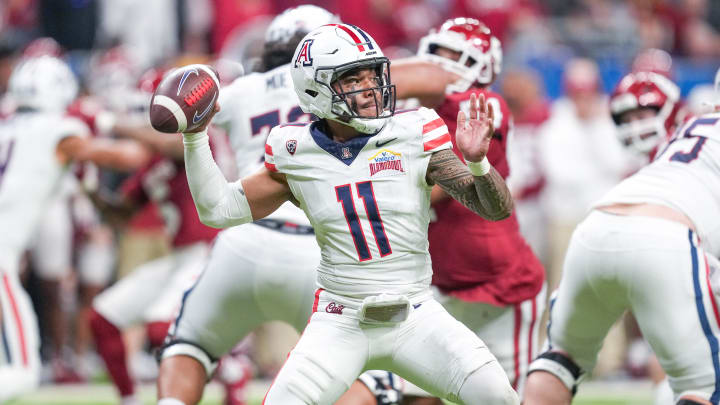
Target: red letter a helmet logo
[(304, 54)]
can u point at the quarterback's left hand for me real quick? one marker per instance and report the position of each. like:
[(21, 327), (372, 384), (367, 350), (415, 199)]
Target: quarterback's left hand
[(473, 135)]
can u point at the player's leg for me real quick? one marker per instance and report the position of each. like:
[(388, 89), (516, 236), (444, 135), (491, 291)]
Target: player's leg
[(188, 265), (123, 305), (674, 287), (253, 275), (19, 339), (591, 297), (95, 268), (445, 358), (327, 359), (51, 258)]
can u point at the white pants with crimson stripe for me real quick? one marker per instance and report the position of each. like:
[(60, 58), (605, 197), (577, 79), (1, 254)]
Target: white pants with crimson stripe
[(654, 268), (19, 339), (430, 349)]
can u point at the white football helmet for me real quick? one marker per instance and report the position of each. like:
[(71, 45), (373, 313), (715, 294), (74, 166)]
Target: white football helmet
[(480, 51), (44, 83), (324, 55), (302, 18)]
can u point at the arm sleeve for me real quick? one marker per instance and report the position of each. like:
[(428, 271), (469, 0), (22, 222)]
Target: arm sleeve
[(219, 203)]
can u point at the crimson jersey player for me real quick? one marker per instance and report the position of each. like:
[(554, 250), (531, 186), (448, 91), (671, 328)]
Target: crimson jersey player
[(487, 275), (163, 181)]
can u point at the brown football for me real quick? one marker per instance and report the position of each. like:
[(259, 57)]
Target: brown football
[(184, 99)]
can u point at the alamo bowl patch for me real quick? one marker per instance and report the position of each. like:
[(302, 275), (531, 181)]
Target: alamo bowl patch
[(386, 163)]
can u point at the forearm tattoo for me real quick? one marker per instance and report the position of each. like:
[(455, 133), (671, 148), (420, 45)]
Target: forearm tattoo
[(487, 196)]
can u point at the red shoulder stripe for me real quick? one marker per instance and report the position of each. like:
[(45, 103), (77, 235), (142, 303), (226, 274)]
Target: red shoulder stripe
[(271, 167), (434, 143), (437, 123)]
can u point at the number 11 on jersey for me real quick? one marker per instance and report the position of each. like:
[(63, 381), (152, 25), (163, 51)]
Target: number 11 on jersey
[(366, 193)]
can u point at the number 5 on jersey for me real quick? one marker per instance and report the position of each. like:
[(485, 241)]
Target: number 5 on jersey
[(366, 193)]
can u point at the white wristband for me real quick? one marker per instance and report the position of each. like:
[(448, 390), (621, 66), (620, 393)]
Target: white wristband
[(480, 168)]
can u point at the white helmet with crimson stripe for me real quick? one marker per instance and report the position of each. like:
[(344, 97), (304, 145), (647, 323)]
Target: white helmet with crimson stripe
[(324, 55)]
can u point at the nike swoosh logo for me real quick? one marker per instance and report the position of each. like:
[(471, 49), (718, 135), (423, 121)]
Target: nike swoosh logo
[(381, 144), (197, 118), (184, 77)]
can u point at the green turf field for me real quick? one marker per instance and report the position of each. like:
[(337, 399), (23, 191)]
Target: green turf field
[(591, 393)]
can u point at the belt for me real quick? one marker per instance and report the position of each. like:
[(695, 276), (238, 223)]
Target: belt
[(285, 226)]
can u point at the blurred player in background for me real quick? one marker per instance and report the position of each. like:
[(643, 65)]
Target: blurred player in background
[(486, 274), (644, 107), (151, 294), (649, 246), (36, 145), (69, 237)]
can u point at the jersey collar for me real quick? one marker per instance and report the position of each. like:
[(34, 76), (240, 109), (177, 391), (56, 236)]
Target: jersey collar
[(345, 152)]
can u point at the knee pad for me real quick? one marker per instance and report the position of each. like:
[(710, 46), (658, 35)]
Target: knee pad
[(684, 400), (384, 385), (185, 348), (487, 385), (561, 366)]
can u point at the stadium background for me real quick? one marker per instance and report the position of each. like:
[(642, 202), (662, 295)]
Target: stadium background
[(539, 37)]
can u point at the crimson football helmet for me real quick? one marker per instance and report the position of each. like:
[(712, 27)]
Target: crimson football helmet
[(480, 51), (645, 90)]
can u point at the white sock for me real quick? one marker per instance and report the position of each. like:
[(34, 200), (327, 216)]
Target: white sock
[(170, 401)]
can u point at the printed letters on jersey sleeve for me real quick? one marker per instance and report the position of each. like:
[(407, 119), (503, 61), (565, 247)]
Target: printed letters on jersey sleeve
[(435, 133)]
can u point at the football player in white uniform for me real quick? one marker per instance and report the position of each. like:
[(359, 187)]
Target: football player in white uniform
[(266, 270), (649, 246), (36, 145), (374, 308)]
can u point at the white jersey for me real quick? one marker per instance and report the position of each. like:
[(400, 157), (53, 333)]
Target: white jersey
[(30, 174), (250, 107), (367, 199), (685, 177)]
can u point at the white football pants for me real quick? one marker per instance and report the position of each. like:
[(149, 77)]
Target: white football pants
[(654, 268)]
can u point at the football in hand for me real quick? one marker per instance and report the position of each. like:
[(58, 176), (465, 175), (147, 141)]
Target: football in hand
[(184, 99)]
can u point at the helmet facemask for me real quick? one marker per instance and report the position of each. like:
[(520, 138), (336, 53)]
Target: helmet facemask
[(344, 102), (479, 58), (643, 135), (652, 102)]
